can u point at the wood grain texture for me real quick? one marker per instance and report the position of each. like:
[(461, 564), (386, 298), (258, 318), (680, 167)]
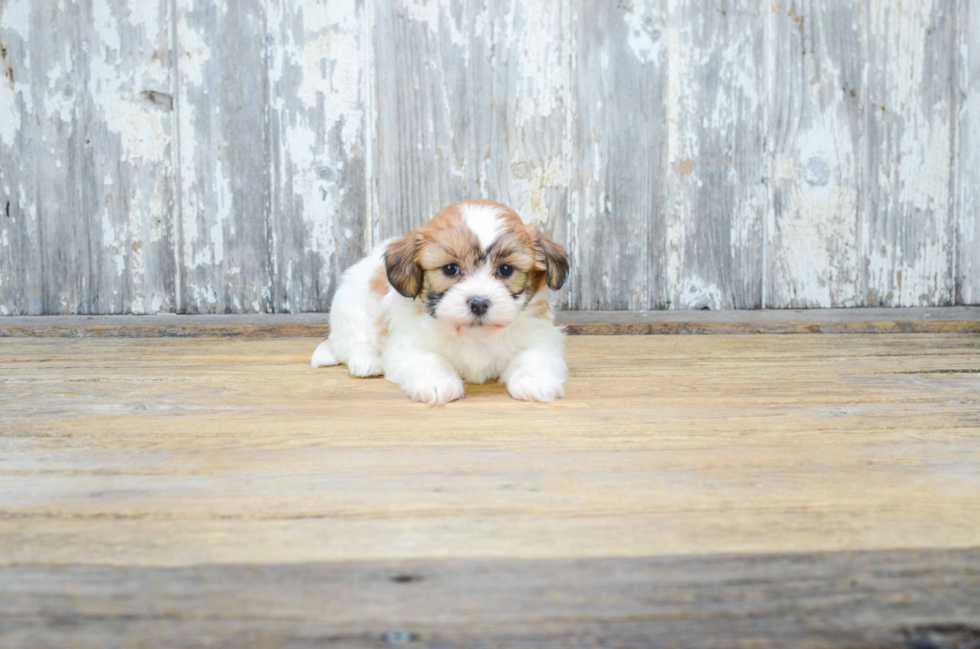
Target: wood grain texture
[(85, 170), (908, 233), (317, 59), (181, 452), (968, 162), (225, 157), (619, 156), (716, 198), (789, 491), (472, 101), (815, 129), (235, 156), (965, 320), (892, 599)]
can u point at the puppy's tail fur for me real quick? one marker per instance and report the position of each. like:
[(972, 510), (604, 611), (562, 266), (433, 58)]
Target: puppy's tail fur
[(323, 356)]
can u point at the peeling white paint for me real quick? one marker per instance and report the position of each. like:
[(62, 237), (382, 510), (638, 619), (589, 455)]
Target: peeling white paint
[(518, 61), (644, 22)]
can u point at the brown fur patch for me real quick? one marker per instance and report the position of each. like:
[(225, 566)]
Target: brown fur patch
[(382, 324), (379, 282), (542, 309)]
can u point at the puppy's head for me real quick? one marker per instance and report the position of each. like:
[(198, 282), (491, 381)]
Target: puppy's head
[(475, 266)]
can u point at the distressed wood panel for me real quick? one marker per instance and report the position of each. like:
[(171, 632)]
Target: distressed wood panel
[(318, 57), (945, 319), (968, 167), (195, 451), (716, 198), (86, 173), (907, 230), (735, 154), (226, 157), (922, 599), (815, 130), (472, 102), (35, 130), (617, 226)]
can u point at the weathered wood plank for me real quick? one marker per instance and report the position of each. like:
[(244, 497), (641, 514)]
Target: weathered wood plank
[(968, 162), (194, 451), (226, 157), (716, 182), (618, 155), (35, 131), (124, 174), (908, 230), (472, 102), (317, 65), (172, 490), (87, 179), (860, 320), (915, 598), (815, 124)]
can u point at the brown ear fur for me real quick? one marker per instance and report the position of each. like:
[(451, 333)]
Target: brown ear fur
[(401, 264), (551, 258)]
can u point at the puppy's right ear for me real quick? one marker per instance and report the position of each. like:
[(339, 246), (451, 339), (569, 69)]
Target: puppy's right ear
[(401, 263)]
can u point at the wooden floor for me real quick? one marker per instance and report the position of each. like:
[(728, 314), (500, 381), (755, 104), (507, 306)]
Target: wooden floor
[(801, 490)]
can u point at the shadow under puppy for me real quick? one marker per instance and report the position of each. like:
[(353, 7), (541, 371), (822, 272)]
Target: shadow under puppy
[(463, 298)]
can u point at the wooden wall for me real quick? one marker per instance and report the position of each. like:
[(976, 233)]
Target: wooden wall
[(235, 155)]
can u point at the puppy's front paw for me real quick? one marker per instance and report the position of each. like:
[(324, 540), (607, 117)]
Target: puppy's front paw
[(435, 390), (364, 361), (535, 387)]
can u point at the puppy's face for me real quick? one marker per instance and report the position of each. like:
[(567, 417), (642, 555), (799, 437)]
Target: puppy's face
[(475, 266)]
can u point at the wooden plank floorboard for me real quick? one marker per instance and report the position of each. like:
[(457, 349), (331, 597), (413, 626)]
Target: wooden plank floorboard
[(960, 319), (847, 599), (173, 489)]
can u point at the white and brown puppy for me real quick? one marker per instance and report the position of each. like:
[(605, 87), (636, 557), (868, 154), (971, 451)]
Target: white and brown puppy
[(462, 298)]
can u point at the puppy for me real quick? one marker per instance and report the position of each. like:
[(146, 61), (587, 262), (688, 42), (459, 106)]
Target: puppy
[(463, 298)]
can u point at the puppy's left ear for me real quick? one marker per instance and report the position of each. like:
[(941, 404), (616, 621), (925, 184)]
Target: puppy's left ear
[(549, 257)]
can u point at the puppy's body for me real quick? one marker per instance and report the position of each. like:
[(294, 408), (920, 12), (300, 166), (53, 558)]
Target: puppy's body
[(463, 298)]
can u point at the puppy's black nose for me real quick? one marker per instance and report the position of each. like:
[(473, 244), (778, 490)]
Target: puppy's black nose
[(479, 305)]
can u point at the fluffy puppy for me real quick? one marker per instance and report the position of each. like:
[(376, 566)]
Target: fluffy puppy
[(462, 298)]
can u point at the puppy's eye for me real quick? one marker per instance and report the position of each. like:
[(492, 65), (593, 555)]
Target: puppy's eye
[(451, 270), (505, 270)]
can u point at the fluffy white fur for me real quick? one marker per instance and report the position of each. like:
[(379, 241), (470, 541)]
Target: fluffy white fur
[(430, 357)]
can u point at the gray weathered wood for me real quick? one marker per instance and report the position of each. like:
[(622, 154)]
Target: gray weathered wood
[(964, 320), (86, 171), (907, 232), (968, 164), (317, 61), (225, 157), (716, 197), (814, 125), (472, 101), (617, 226), (923, 599), (237, 155)]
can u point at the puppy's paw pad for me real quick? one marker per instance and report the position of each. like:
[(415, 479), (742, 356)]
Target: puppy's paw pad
[(535, 387), (436, 390), (364, 362), (323, 356)]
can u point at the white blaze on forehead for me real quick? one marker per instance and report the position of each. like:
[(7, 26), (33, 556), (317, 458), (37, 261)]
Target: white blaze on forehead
[(484, 220)]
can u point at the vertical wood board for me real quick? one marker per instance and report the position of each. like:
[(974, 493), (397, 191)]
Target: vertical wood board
[(472, 101), (967, 191), (815, 130), (907, 231), (717, 195), (617, 228)]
